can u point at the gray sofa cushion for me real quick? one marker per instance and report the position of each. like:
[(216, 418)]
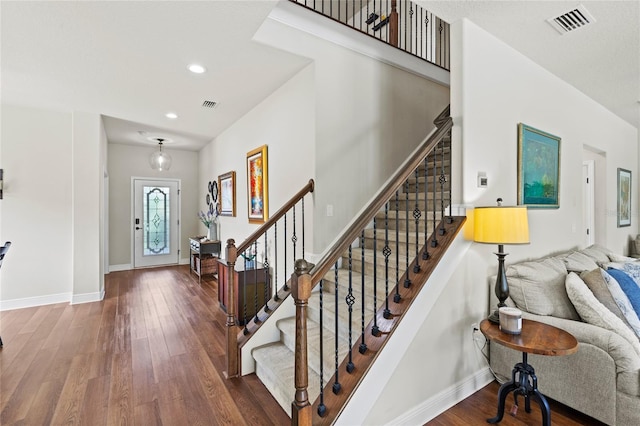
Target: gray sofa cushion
[(599, 254), (578, 262), (538, 287)]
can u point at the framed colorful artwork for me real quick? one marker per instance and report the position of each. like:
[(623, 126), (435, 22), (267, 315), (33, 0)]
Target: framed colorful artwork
[(227, 185), (258, 185), (624, 198), (538, 168)]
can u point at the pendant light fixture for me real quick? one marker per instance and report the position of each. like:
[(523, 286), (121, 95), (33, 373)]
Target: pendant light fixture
[(160, 160)]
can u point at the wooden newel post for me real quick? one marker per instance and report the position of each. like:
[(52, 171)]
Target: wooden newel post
[(393, 25), (301, 409), (232, 327)]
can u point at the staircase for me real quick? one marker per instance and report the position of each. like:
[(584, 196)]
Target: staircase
[(362, 267)]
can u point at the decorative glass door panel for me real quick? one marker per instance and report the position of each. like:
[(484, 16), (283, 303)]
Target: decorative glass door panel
[(155, 222)]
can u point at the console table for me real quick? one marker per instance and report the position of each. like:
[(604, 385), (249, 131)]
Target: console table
[(249, 285), (536, 338), (202, 254)]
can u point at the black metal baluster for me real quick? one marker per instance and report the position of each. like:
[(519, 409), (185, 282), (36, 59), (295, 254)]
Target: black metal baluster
[(363, 346), (396, 297), (411, 28), (386, 27), (294, 237), (286, 287), (407, 280), (336, 384), (425, 253), (267, 276), (350, 299), (450, 218), (440, 38), (434, 238), (322, 409), (442, 180), (386, 251), (245, 330), (375, 330), (303, 226), (417, 214), (405, 27), (418, 22), (275, 258), (430, 37), (254, 262)]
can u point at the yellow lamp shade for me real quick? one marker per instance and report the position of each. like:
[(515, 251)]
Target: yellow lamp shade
[(501, 225)]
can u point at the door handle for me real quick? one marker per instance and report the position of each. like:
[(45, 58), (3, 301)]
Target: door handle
[(137, 228)]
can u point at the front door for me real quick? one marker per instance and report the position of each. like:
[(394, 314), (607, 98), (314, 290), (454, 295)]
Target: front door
[(156, 222)]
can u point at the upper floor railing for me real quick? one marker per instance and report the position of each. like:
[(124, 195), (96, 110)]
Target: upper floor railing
[(400, 23)]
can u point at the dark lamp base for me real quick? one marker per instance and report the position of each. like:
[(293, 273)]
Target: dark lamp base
[(494, 317)]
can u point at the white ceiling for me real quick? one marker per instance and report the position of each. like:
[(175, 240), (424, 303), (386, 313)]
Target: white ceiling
[(601, 60), (128, 60)]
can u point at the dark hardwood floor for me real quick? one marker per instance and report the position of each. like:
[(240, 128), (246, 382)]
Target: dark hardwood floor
[(484, 404), (151, 353)]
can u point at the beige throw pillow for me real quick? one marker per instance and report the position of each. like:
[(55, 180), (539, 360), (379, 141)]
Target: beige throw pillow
[(595, 281), (595, 313)]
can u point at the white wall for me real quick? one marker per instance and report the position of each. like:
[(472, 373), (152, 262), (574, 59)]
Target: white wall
[(87, 166), (127, 161), (493, 89), (368, 117), (285, 123), (53, 166)]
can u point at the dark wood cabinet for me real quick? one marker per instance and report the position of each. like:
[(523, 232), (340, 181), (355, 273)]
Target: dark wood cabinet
[(249, 289)]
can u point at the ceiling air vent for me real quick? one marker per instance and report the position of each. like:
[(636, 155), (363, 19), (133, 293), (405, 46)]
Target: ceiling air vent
[(209, 104), (571, 20)]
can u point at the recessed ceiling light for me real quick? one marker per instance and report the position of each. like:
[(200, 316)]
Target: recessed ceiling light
[(197, 69), (171, 115)]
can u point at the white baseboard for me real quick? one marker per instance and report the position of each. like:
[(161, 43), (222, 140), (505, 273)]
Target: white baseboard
[(87, 297), (29, 302), (129, 266), (446, 399), (122, 267)]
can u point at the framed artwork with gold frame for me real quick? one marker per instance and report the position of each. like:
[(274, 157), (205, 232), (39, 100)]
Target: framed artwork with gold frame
[(227, 185), (258, 185)]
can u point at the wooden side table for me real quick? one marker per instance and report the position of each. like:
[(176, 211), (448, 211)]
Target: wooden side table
[(536, 338), (199, 249)]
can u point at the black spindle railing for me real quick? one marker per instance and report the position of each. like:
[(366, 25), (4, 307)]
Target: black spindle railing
[(400, 23), (370, 233), (254, 271)]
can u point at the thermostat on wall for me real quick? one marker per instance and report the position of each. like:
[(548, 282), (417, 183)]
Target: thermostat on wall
[(483, 181)]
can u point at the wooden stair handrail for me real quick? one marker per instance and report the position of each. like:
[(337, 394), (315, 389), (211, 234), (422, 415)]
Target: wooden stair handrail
[(274, 218), (231, 252), (371, 209)]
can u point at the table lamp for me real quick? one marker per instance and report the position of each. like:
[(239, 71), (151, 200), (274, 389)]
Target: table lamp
[(500, 225)]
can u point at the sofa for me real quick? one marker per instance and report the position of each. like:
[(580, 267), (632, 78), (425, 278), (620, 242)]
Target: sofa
[(576, 291)]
